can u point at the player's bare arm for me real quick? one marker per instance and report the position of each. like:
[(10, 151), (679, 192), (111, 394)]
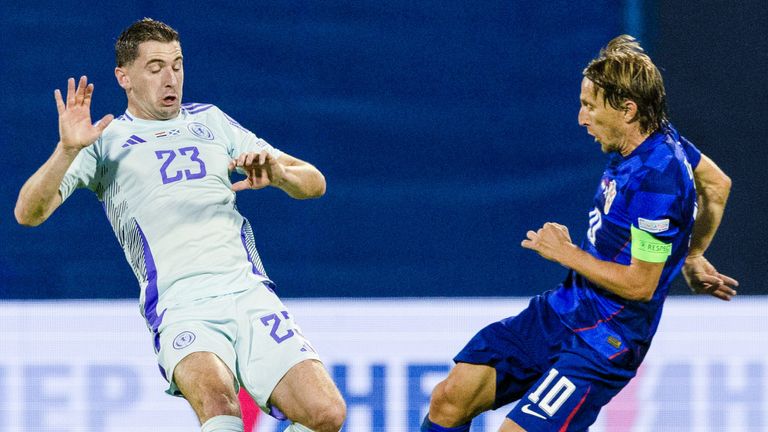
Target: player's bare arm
[(297, 178), (713, 187), (39, 196), (636, 281)]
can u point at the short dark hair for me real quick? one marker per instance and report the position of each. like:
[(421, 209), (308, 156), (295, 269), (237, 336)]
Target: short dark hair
[(625, 72), (147, 29)]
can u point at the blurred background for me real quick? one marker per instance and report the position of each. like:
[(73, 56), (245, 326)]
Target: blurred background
[(445, 130)]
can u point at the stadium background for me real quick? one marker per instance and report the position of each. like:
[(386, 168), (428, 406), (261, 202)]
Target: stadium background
[(445, 130)]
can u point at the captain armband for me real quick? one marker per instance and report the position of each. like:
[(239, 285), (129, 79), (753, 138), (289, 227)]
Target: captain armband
[(648, 248)]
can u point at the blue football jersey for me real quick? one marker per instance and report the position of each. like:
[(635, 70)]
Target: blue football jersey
[(648, 196)]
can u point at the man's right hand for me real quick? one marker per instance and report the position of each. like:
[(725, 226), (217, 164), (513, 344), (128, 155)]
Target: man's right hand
[(75, 128)]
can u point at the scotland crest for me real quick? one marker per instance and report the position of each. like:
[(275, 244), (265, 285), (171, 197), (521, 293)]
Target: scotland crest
[(200, 130)]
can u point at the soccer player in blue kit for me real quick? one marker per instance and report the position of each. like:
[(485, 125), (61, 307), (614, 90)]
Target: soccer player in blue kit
[(574, 348), (161, 170)]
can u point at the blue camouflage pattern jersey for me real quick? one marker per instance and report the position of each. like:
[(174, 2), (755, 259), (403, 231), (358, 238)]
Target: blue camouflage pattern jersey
[(645, 205)]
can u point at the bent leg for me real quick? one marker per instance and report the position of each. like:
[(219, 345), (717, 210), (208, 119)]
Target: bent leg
[(208, 384), (510, 426), (468, 390), (308, 396)]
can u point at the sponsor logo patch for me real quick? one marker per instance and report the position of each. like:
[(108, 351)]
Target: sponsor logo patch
[(653, 226), (614, 342)]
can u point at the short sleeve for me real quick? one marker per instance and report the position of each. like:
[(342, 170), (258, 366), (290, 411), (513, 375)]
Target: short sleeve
[(244, 141), (691, 152), (82, 172), (654, 216)]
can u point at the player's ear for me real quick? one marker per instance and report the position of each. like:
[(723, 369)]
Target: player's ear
[(630, 110), (123, 80)]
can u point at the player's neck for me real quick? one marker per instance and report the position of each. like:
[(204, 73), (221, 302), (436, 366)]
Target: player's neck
[(632, 140)]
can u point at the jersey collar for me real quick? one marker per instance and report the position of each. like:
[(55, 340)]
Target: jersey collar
[(128, 116), (650, 143)]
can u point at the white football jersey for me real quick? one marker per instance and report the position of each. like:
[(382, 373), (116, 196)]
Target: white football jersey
[(165, 188)]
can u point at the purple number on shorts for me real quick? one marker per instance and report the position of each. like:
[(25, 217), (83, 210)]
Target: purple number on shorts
[(164, 168), (161, 154), (273, 317)]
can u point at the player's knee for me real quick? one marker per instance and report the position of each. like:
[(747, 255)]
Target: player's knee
[(219, 403), (329, 416), (445, 406)]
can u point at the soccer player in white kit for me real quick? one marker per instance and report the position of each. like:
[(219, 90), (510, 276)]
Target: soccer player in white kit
[(161, 171)]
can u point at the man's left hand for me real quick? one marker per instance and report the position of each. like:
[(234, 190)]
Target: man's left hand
[(703, 278), (261, 170)]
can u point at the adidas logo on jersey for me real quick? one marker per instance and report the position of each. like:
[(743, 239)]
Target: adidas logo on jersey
[(133, 140)]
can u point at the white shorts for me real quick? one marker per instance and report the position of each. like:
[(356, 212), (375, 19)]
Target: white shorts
[(251, 331)]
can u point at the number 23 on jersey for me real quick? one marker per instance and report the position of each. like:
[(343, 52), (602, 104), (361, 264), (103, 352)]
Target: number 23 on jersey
[(186, 154)]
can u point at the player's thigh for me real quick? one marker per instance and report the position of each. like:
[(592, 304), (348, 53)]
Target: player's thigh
[(470, 387), (197, 328), (197, 355), (305, 392), (518, 349), (203, 369), (208, 384), (510, 426), (272, 351)]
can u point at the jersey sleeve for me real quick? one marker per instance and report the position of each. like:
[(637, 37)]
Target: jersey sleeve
[(655, 216), (82, 172), (242, 140), (691, 152)]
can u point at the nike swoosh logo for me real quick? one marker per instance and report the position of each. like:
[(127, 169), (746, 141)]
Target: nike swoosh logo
[(531, 412)]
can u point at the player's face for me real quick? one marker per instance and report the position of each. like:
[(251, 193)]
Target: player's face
[(154, 81), (602, 121)]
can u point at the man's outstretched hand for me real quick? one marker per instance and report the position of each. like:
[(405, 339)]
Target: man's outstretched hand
[(75, 128)]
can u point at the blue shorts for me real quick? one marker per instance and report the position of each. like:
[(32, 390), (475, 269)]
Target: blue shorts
[(561, 382)]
